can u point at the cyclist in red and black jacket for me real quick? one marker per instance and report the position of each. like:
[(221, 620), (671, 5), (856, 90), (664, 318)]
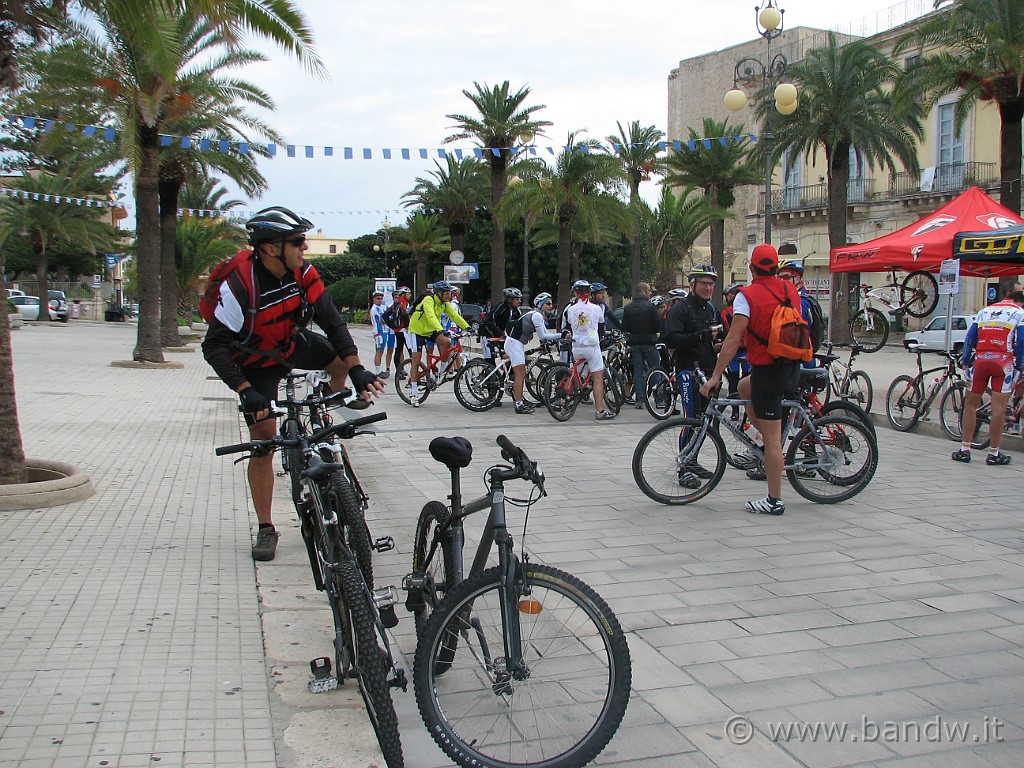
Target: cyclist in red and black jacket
[(259, 333)]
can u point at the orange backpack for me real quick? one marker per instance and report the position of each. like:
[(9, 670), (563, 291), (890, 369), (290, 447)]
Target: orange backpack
[(789, 339)]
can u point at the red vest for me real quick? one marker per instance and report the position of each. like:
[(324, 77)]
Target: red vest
[(764, 295)]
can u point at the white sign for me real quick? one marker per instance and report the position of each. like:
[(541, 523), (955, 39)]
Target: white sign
[(949, 277), (385, 285)]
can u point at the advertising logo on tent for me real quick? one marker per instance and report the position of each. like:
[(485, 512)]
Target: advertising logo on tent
[(935, 222)]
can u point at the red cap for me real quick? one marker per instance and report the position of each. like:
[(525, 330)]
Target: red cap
[(765, 257)]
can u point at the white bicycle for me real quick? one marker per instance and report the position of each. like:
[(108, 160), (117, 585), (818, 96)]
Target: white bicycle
[(917, 295)]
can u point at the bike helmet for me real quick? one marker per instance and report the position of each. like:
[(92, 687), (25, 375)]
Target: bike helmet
[(397, 291), (541, 300), (595, 287), (581, 286), (442, 286), (512, 293), (378, 293), (732, 287), (702, 270), (276, 223), (657, 300), (792, 265), (677, 294), (404, 290)]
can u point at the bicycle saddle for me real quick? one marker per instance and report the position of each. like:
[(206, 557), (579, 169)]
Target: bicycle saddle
[(826, 359), (813, 377), (453, 452)]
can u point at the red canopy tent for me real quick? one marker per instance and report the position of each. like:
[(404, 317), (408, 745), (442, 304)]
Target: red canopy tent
[(926, 243)]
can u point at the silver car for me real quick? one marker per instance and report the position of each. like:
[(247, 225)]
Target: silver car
[(933, 337)]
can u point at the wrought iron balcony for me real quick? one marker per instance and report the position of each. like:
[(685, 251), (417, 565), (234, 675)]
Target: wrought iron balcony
[(815, 195), (951, 177)]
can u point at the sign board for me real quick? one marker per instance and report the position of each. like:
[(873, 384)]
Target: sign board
[(462, 273), (111, 260), (819, 288), (385, 285), (949, 277)]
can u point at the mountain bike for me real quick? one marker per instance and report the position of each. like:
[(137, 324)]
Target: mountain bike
[(519, 664), (910, 397), (917, 295), (846, 383), (682, 460), (481, 383), (566, 386), (338, 544), (437, 370)]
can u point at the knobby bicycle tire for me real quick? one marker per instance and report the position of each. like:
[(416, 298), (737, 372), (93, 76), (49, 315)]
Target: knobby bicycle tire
[(566, 707), (370, 664), (442, 572), (920, 292), (850, 410), (559, 398), (659, 393), (353, 525), (659, 458), (951, 415), (903, 402), (859, 390), (403, 386), (870, 329), (291, 460), (535, 379), (614, 390), (478, 385), (848, 449)]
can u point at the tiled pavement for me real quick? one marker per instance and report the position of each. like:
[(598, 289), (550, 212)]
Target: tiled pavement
[(130, 628)]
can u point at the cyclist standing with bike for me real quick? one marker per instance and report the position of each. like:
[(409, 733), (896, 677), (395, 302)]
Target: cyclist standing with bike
[(770, 381), (519, 333), (425, 328), (996, 342), (583, 321), (258, 334)]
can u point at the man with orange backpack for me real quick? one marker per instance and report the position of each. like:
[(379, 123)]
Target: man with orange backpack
[(773, 377), (257, 333)]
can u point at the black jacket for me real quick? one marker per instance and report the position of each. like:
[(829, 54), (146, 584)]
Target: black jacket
[(642, 321), (687, 333)]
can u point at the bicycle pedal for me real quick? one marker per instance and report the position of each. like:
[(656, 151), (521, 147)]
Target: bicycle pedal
[(399, 680), (323, 680), (384, 544), (385, 599)]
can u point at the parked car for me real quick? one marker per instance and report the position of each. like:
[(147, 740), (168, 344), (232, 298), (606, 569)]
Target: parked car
[(471, 313), (11, 292), (28, 307), (933, 337), (59, 304)]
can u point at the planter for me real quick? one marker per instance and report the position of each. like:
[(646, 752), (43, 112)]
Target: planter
[(16, 321), (50, 484)]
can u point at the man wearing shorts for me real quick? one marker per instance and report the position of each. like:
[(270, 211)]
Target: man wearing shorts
[(258, 334), (996, 341), (425, 328), (769, 382), (383, 335), (583, 320)]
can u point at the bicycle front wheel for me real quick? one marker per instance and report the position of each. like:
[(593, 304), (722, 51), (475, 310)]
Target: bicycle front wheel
[(870, 329), (659, 393), (919, 292), (559, 396), (478, 386), (291, 459), (839, 466), (859, 390), (404, 386), (369, 663), (674, 464), (903, 402), (535, 379), (614, 390), (982, 437), (951, 408), (850, 410), (558, 711), (353, 525)]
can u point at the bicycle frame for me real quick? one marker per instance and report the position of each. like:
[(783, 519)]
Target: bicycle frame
[(888, 294), (946, 373)]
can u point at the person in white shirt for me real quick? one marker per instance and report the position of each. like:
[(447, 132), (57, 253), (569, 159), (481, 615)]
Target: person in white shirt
[(521, 330), (583, 320)]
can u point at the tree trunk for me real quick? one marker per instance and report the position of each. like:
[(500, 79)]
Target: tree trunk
[(168, 195), (635, 253), (1011, 114), (718, 259), (838, 188), (42, 280), (12, 457), (457, 231), (147, 234), (498, 170), (421, 272), (574, 266), (564, 257)]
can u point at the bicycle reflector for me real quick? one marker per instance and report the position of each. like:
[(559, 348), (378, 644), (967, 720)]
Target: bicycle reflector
[(530, 607)]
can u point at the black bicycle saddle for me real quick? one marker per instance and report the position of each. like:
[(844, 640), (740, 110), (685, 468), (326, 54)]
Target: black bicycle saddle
[(453, 452)]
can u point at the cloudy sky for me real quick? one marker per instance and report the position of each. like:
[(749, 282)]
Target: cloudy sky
[(395, 69)]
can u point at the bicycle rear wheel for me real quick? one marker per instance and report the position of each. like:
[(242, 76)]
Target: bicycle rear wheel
[(838, 468), (659, 393), (982, 437), (859, 390), (535, 378), (404, 387), (951, 409), (903, 402), (614, 390), (870, 329), (560, 711), (353, 525), (478, 385), (673, 464), (919, 291), (561, 398), (291, 459), (850, 410)]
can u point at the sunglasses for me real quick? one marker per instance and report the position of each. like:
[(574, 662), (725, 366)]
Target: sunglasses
[(296, 241)]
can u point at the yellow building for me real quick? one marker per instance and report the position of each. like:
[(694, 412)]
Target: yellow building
[(321, 245), (879, 203)]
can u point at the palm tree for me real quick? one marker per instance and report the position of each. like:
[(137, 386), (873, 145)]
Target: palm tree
[(454, 192), (671, 229), (503, 122), (422, 235), (135, 50), (637, 150), (717, 169), (847, 104), (570, 196)]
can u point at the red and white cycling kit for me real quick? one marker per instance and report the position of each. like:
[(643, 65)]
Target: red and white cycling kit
[(996, 339)]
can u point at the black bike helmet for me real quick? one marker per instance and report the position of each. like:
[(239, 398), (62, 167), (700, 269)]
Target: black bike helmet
[(276, 223)]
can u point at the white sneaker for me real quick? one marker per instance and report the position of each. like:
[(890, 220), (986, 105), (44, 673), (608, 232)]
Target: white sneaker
[(604, 415)]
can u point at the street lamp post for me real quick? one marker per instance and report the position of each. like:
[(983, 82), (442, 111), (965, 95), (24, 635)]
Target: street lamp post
[(383, 241), (751, 71)]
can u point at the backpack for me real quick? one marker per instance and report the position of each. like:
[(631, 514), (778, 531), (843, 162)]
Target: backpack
[(789, 339), (395, 317), (218, 274), (817, 324)]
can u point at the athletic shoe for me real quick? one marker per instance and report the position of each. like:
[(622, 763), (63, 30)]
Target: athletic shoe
[(744, 460), (399, 375), (689, 480), (266, 544), (629, 401), (756, 473), (524, 408), (997, 459), (604, 415), (415, 403), (385, 374), (766, 506), (699, 471), (962, 456)]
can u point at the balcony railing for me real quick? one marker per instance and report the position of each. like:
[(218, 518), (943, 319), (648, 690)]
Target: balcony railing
[(815, 195), (951, 177)]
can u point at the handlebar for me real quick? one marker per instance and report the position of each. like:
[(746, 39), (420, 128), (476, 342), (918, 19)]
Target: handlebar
[(346, 430), (526, 469)]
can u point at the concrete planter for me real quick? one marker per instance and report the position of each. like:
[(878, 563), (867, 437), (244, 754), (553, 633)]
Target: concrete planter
[(16, 321), (50, 484)]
